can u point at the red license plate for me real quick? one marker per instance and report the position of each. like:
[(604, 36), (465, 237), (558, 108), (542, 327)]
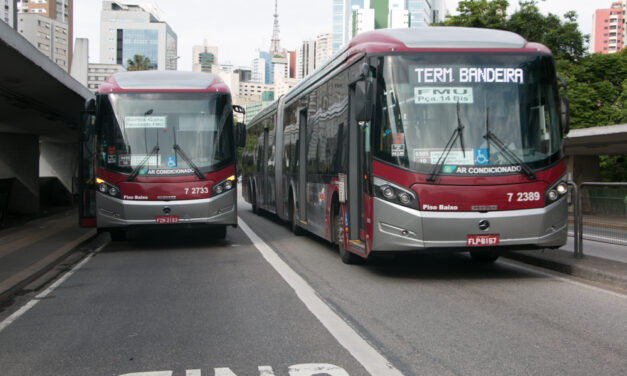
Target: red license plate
[(482, 240), (166, 220)]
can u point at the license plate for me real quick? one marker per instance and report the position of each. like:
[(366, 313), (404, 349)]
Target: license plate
[(482, 240), (166, 220)]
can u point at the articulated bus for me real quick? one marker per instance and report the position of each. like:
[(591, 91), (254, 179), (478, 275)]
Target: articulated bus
[(159, 149), (434, 139)]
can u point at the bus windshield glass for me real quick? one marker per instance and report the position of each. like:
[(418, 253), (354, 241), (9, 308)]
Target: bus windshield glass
[(468, 113), (165, 133)]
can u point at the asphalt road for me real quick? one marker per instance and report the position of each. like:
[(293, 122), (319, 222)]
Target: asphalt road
[(184, 304)]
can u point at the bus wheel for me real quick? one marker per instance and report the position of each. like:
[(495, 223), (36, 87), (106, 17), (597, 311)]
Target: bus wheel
[(117, 234), (484, 257), (296, 230), (219, 232), (254, 201), (347, 257)]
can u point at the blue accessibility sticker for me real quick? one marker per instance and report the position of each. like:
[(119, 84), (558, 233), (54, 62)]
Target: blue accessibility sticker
[(170, 161), (482, 156)]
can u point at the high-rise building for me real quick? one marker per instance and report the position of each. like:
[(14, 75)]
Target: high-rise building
[(351, 17), (608, 29), (324, 48), (129, 28), (47, 24), (8, 12), (204, 58), (305, 59)]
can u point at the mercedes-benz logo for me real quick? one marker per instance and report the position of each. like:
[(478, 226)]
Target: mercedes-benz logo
[(484, 225), (166, 210)]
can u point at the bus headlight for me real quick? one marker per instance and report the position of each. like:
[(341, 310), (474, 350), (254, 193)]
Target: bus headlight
[(108, 188), (224, 186), (394, 193), (554, 192)]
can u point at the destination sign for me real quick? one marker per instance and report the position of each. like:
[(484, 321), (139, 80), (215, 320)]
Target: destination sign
[(468, 75)]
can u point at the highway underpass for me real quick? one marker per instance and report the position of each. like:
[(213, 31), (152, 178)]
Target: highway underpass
[(39, 111)]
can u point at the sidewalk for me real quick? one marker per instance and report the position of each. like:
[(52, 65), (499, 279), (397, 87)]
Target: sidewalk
[(30, 249), (603, 263)]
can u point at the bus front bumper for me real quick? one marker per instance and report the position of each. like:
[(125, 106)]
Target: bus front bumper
[(114, 212), (398, 228)]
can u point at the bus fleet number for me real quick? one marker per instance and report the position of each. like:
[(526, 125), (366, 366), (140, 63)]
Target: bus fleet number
[(523, 196), (196, 190)]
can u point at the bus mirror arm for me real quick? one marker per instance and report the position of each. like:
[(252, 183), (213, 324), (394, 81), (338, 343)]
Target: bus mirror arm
[(363, 101), (564, 106), (565, 115), (240, 135)]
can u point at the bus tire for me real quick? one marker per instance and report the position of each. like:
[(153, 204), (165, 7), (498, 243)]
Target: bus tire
[(346, 256), (253, 200), (117, 234), (484, 257), (219, 232), (296, 229)]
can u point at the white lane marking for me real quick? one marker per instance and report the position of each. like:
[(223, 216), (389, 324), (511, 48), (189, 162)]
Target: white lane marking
[(361, 350), (316, 369), (559, 277), (17, 314)]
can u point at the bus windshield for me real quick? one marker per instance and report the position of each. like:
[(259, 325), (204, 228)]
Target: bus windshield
[(164, 134), (479, 113)]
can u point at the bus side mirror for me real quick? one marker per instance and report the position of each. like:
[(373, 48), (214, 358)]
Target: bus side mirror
[(88, 120), (564, 106), (363, 101), (90, 106), (565, 115), (240, 135)]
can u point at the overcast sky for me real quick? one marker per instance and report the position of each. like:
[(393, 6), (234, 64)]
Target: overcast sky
[(238, 27)]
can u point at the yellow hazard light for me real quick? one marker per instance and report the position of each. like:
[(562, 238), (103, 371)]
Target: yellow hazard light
[(99, 181), (231, 178)]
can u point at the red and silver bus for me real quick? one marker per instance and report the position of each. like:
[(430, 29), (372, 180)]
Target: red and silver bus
[(159, 149), (418, 139)]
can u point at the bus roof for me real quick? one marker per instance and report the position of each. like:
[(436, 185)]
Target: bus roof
[(430, 38), (163, 81), (437, 38)]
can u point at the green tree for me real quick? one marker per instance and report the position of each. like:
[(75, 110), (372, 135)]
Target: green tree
[(563, 38), (139, 63), (480, 13)]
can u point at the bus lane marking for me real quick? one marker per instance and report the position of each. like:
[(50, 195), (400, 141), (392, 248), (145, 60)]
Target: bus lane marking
[(362, 351)]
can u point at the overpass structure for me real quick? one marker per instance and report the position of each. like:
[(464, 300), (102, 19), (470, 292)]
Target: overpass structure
[(40, 105)]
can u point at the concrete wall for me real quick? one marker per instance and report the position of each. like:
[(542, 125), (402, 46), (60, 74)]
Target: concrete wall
[(19, 159), (59, 160)]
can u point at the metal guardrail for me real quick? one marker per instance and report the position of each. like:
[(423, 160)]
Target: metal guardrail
[(600, 213)]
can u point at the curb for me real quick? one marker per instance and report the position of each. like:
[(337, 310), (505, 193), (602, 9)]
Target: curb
[(590, 268)]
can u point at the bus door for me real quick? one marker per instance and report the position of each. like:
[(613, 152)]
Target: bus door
[(357, 175), (302, 167), (86, 175), (263, 195)]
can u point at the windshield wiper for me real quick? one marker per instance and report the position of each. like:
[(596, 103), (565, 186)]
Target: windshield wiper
[(457, 133), (133, 174), (509, 155), (189, 161)]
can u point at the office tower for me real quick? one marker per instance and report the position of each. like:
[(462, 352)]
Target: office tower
[(204, 58), (8, 12), (47, 24), (129, 28), (351, 17), (324, 48)]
